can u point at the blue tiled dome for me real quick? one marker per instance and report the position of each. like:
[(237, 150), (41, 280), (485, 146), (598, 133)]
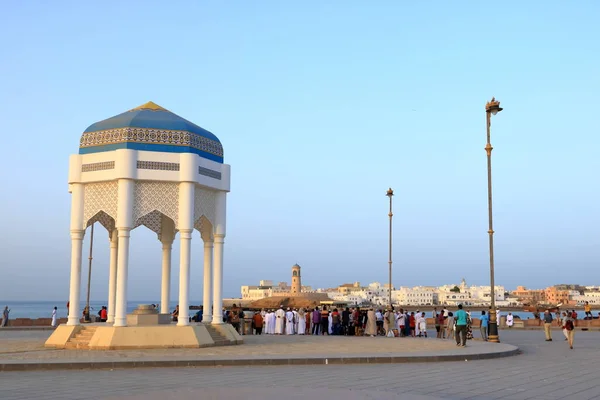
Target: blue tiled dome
[(151, 128)]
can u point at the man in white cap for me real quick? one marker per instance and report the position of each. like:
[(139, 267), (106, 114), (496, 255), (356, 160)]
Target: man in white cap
[(289, 322), (267, 319), (279, 318), (296, 318)]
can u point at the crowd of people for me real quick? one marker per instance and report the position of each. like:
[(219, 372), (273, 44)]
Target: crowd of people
[(360, 322), (391, 323)]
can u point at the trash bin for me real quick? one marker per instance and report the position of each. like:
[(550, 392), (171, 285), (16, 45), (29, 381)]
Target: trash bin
[(502, 321), (247, 327)]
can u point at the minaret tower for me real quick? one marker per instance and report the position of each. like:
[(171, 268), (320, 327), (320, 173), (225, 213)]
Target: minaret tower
[(296, 281)]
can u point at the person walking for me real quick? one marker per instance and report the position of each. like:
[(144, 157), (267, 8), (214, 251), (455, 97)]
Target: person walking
[(442, 331), (371, 325), (345, 321), (423, 325), (324, 321), (54, 317), (569, 327), (391, 317), (469, 326), (316, 321), (548, 325), (412, 322), (235, 318), (483, 326), (461, 326), (379, 319), (563, 323), (450, 326), (5, 315)]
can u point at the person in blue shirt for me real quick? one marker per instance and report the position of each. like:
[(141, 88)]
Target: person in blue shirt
[(484, 325), (461, 326)]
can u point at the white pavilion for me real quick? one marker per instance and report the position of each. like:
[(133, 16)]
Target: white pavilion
[(150, 167)]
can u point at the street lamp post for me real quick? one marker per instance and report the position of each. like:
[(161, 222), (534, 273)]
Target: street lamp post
[(491, 108), (390, 194)]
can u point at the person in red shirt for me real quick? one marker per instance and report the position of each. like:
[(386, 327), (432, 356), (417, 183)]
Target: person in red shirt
[(412, 324), (257, 321), (441, 333), (103, 314)]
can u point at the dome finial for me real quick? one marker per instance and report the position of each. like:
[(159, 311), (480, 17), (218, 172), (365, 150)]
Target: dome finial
[(149, 106)]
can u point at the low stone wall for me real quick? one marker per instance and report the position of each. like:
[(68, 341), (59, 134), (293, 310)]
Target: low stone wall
[(34, 322)]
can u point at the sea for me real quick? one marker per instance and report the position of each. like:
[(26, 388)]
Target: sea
[(43, 309)]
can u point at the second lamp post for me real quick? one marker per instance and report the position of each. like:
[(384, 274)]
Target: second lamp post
[(491, 108), (390, 194)]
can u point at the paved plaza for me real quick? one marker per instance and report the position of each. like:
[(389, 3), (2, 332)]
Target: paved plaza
[(544, 370), (25, 350)]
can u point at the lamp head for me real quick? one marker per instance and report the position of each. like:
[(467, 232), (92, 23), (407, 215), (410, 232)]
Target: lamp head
[(493, 106), (390, 192)]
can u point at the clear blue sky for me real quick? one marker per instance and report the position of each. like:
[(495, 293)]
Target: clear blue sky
[(320, 108)]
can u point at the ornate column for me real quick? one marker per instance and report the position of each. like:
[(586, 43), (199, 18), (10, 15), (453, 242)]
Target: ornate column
[(187, 191), (167, 235), (77, 233), (207, 301), (219, 235), (124, 225), (112, 276), (165, 290)]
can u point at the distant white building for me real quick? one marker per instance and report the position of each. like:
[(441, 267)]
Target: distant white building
[(591, 296), (450, 298), (482, 294), (256, 292), (471, 295), (416, 296)]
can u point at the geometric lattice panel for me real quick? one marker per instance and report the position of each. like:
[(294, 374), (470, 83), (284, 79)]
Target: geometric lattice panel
[(105, 220), (204, 205), (100, 196), (159, 196), (152, 221), (205, 228), (151, 136)]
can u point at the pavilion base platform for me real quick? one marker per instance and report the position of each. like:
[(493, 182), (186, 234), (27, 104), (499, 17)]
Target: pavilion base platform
[(61, 335), (102, 337)]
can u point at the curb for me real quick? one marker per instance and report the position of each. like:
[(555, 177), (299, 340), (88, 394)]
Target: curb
[(26, 328), (90, 365)]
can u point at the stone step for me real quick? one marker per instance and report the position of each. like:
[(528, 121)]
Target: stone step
[(76, 346), (219, 339), (81, 339), (85, 333)]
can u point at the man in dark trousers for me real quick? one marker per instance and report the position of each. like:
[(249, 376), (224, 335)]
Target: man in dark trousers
[(345, 321)]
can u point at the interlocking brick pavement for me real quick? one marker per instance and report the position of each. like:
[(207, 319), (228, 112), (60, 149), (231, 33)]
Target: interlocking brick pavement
[(545, 370)]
